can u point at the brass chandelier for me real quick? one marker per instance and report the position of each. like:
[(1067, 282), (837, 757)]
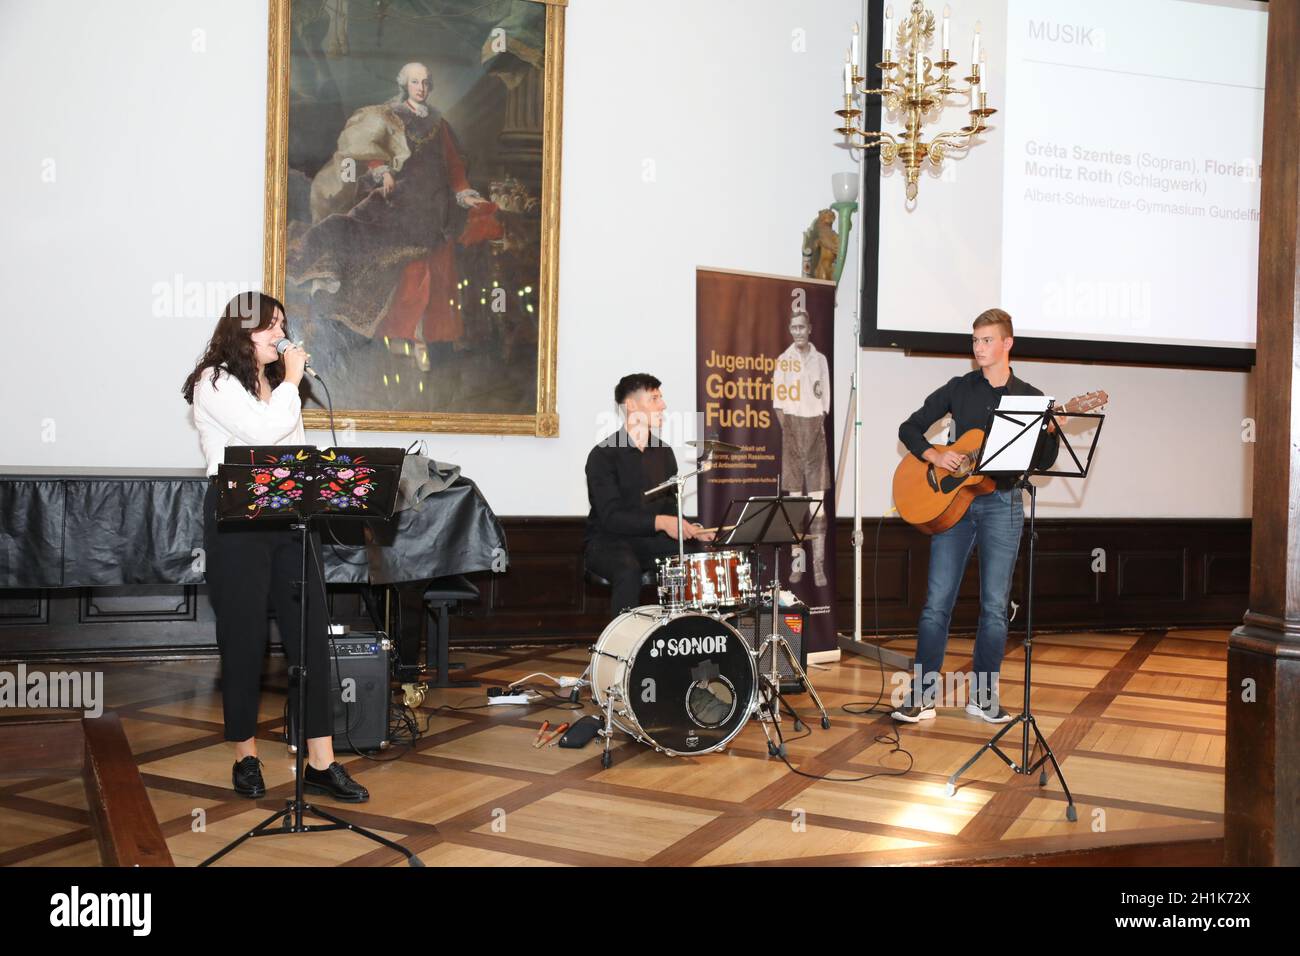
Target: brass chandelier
[(918, 88)]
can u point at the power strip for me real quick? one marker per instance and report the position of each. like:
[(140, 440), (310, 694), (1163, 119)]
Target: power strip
[(510, 699)]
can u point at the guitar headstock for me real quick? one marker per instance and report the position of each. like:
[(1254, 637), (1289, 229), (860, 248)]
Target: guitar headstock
[(1083, 403)]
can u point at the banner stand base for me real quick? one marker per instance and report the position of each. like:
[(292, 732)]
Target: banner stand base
[(875, 652)]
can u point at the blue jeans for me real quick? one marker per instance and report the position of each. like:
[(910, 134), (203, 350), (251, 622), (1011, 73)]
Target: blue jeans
[(994, 522)]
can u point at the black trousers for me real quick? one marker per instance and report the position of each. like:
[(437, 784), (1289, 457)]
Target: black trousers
[(621, 560), (252, 567)]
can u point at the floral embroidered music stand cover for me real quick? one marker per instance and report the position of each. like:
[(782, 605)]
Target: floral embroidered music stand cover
[(290, 481)]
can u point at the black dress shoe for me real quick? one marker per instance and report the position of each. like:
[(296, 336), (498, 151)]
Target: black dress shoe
[(334, 782), (247, 778)]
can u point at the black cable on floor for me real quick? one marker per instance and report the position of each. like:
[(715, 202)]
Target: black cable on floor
[(880, 739)]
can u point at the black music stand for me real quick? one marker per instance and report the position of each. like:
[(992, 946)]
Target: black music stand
[(299, 483), (775, 521), (1017, 431)]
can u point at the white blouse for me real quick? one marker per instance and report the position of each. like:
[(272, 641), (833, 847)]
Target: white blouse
[(228, 414)]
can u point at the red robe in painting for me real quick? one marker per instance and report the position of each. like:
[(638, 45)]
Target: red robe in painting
[(427, 287)]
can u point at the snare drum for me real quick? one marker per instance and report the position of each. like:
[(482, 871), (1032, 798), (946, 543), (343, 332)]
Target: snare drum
[(683, 684), (705, 581)]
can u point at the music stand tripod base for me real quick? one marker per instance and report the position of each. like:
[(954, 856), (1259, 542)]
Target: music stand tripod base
[(291, 817), (307, 465), (1019, 450), (1071, 813), (757, 524), (1026, 715)]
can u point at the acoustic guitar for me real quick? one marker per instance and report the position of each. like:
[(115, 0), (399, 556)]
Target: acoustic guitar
[(933, 499)]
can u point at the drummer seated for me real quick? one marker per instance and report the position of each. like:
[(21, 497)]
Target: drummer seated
[(627, 531)]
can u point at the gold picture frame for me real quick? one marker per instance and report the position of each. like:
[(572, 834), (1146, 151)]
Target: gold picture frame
[(543, 421)]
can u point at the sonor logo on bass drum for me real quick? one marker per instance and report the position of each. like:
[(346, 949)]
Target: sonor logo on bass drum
[(681, 646)]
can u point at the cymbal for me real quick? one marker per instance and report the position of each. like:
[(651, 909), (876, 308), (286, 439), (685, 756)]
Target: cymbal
[(710, 445)]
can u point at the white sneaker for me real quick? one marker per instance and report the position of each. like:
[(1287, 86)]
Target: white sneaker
[(994, 714), (913, 715)]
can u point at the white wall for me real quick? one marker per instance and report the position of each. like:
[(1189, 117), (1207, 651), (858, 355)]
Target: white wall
[(157, 152)]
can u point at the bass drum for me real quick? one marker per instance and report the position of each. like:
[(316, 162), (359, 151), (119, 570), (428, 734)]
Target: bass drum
[(683, 684)]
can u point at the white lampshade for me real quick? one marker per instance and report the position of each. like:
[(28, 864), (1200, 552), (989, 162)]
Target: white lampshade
[(845, 187)]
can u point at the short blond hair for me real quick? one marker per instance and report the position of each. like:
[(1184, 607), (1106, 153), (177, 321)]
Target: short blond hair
[(995, 317)]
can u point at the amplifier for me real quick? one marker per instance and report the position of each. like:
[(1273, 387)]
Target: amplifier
[(755, 624), (359, 691)]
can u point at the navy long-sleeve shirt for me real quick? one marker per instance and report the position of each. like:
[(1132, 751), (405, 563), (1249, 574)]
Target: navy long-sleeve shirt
[(971, 400)]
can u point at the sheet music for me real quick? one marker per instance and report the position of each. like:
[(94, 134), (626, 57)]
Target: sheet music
[(1009, 447)]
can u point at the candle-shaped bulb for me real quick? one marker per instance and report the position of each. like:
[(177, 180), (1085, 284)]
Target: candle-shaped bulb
[(848, 76), (975, 45), (854, 48), (889, 30), (947, 12), (984, 71)]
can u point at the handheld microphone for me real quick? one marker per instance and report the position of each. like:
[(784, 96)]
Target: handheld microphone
[(284, 345)]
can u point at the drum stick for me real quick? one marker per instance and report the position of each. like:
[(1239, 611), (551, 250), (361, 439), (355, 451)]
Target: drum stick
[(555, 734), (725, 527), (537, 741)]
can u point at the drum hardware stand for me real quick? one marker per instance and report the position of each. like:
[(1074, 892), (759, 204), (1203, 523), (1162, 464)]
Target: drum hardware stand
[(678, 482), (607, 757), (1026, 716), (776, 641), (778, 701)]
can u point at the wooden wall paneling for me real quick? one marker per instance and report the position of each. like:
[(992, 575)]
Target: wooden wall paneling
[(1158, 572)]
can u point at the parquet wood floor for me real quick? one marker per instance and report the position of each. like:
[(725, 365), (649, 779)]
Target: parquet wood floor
[(1136, 719)]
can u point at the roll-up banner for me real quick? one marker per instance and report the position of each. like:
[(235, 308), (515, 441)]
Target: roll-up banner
[(764, 361)]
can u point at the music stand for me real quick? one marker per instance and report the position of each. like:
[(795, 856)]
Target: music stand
[(301, 483), (767, 520), (1014, 438)]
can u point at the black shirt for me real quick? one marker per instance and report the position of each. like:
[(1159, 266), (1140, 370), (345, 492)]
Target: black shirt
[(618, 474), (971, 399)]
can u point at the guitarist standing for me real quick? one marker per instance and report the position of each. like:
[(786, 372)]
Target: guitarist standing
[(993, 522)]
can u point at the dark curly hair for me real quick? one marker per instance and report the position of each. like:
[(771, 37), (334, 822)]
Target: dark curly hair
[(231, 345)]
